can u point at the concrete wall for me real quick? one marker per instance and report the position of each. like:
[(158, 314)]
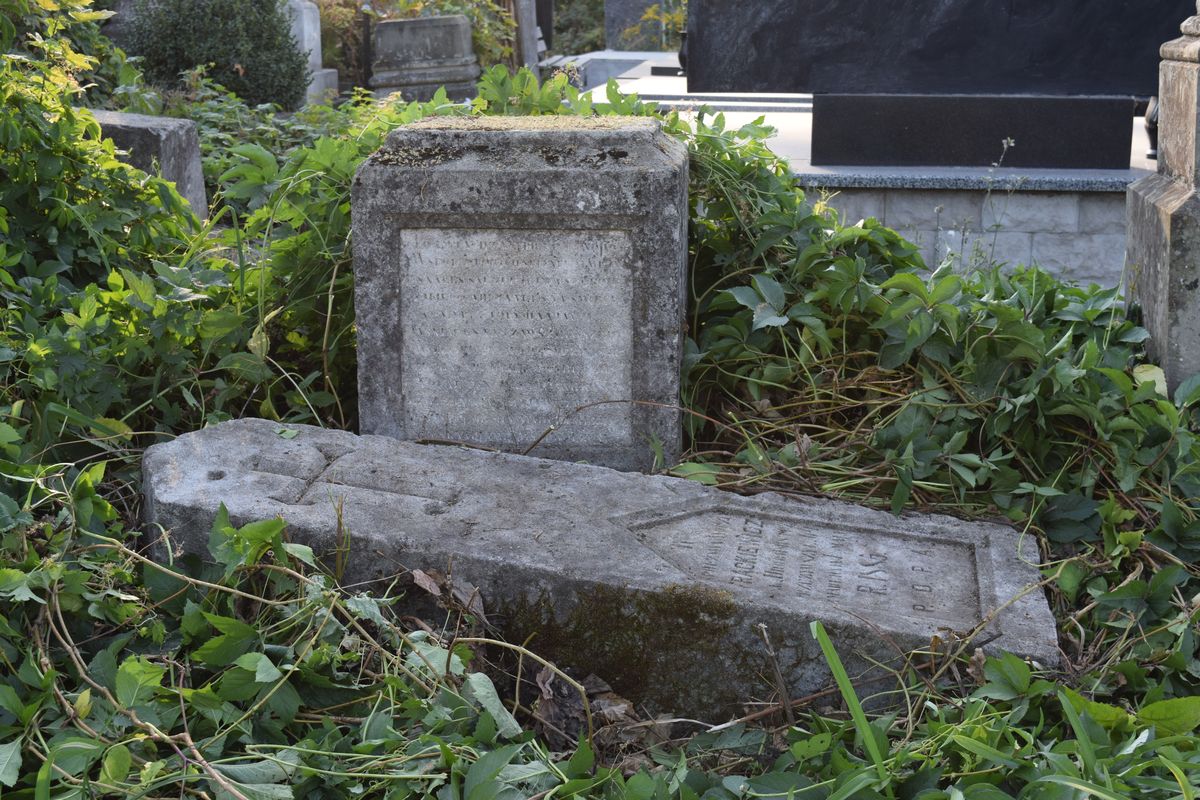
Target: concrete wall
[(1076, 235)]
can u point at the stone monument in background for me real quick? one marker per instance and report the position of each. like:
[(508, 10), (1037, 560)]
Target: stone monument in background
[(1164, 216), (306, 30), (416, 57), (520, 281)]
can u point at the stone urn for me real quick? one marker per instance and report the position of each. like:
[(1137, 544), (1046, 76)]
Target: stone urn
[(417, 56)]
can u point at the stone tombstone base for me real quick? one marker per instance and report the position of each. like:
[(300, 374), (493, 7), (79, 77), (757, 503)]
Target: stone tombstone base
[(1164, 216), (520, 281), (655, 584), (1077, 235), (165, 146), (415, 57)]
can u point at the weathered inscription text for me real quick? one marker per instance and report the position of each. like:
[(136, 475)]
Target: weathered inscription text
[(507, 331), (795, 560)]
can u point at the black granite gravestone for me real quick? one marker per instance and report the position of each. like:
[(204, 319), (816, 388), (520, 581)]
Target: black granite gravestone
[(864, 53)]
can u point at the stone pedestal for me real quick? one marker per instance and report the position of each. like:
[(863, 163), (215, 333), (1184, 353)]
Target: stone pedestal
[(306, 29), (520, 281), (165, 146), (416, 57), (1164, 216)]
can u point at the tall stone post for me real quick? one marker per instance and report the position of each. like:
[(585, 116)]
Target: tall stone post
[(527, 33), (1164, 215)]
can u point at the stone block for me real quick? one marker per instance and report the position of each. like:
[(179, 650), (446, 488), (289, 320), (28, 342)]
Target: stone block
[(1096, 258), (520, 281), (858, 204), (165, 146), (934, 210), (1031, 212), (656, 584), (1102, 212)]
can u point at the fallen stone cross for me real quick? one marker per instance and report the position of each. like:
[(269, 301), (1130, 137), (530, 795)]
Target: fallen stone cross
[(656, 584)]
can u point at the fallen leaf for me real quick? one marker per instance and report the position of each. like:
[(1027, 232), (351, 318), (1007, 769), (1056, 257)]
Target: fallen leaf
[(427, 583)]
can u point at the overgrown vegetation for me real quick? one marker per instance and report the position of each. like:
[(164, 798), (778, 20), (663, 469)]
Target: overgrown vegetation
[(246, 44), (578, 26), (824, 359)]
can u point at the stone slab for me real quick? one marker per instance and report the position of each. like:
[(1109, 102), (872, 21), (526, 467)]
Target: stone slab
[(521, 281), (1064, 47), (166, 146), (654, 583)]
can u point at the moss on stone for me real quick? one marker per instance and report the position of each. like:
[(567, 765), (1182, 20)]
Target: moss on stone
[(655, 648)]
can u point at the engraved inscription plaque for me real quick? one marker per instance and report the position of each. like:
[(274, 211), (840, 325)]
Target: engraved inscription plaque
[(505, 332), (795, 560)]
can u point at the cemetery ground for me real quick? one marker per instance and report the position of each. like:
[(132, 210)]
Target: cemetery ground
[(823, 358)]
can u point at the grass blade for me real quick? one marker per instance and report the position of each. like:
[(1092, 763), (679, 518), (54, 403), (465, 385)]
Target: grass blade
[(847, 689)]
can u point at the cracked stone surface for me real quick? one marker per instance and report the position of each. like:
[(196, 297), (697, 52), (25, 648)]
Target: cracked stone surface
[(656, 584)]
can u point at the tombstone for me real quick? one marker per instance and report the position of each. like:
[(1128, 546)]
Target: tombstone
[(655, 584), (913, 82), (165, 146), (306, 30), (520, 281), (416, 57), (1164, 216)]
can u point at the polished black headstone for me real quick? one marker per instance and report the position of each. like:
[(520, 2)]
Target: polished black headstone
[(970, 131), (1048, 47)]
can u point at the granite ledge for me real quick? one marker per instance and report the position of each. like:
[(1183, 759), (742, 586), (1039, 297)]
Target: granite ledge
[(968, 178)]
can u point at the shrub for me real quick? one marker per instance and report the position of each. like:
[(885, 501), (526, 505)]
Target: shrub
[(248, 43)]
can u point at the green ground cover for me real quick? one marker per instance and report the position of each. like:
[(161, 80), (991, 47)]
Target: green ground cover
[(824, 358)]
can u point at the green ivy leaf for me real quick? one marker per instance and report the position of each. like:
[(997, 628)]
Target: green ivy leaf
[(263, 668), (1174, 717), (480, 689), (10, 762), (15, 585), (137, 679), (236, 638), (116, 764)]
